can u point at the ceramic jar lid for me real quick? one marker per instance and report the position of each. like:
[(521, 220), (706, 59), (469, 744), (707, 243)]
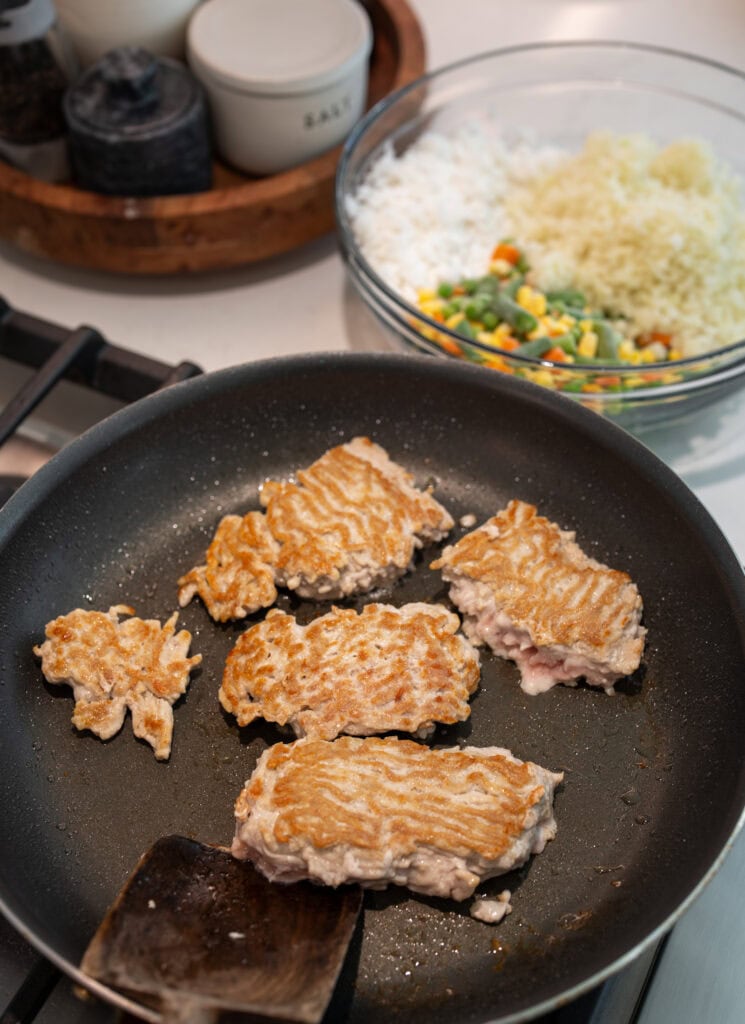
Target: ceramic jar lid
[(130, 90), (278, 47)]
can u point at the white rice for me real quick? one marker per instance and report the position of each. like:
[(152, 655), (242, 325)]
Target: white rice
[(436, 212)]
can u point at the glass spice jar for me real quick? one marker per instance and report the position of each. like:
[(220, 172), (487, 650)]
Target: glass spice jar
[(36, 66)]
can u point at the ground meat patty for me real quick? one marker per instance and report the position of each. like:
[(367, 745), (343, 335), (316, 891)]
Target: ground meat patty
[(382, 670), (379, 811), (350, 523), (528, 591), (113, 665), (238, 575)]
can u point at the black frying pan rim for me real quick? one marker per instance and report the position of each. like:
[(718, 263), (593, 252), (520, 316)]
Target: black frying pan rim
[(621, 444)]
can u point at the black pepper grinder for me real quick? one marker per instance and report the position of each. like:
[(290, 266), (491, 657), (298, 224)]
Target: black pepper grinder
[(138, 127), (36, 67)]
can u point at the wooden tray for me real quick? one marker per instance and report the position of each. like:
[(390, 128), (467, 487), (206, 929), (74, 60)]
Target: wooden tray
[(239, 221)]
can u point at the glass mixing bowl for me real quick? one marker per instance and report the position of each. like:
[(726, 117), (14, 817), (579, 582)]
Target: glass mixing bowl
[(559, 92)]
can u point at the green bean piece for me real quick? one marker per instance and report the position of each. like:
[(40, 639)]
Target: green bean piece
[(513, 286), (517, 317), (569, 296), (573, 311), (469, 285), (473, 354), (487, 286), (608, 341), (537, 347), (567, 342)]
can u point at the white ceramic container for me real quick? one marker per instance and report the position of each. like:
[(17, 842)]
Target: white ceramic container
[(285, 79), (95, 26)]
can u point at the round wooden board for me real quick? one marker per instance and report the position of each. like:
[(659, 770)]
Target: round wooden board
[(239, 221)]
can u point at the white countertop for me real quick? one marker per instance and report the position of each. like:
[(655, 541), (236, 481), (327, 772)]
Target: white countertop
[(301, 303)]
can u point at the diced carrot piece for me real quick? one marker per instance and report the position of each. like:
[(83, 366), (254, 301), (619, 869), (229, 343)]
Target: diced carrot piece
[(607, 382), (495, 363), (438, 316), (508, 253), (556, 355), (458, 289), (449, 345), (649, 339), (508, 343)]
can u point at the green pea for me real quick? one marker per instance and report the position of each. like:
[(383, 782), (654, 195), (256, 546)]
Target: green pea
[(465, 330), (445, 290), (476, 309)]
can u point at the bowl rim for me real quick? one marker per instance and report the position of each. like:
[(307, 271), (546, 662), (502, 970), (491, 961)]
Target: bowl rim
[(351, 253)]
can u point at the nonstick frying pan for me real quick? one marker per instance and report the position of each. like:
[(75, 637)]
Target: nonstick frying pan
[(655, 775)]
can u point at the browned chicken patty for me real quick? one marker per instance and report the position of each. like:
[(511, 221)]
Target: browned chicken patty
[(238, 577), (351, 522), (382, 670), (381, 811), (113, 665), (529, 591)]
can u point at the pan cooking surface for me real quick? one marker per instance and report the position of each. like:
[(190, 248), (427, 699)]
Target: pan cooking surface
[(654, 781)]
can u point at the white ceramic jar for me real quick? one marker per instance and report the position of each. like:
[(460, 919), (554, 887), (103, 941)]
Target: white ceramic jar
[(285, 79), (95, 26)]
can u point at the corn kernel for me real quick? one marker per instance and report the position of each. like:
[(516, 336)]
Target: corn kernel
[(626, 350), (588, 344), (674, 353), (552, 327), (502, 268), (455, 319), (486, 338), (534, 302), (544, 377), (426, 294)]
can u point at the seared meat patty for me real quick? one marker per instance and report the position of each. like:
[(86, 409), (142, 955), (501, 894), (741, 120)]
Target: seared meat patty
[(379, 811), (351, 522), (238, 577), (382, 670), (113, 665), (528, 591)]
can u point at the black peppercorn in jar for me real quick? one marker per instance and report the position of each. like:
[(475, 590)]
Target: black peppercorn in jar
[(36, 66)]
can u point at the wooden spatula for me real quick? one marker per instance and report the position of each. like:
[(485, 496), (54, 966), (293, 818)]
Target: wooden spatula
[(195, 932)]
